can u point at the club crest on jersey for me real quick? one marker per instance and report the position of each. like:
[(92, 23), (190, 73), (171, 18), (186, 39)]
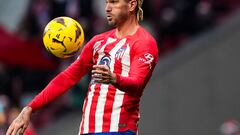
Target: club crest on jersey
[(105, 60), (120, 52), (147, 58)]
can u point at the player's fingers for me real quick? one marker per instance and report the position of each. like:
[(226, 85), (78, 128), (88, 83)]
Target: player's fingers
[(97, 75), (97, 78), (12, 129), (9, 131), (15, 130), (106, 78), (22, 130), (106, 73), (15, 127), (101, 67), (100, 74), (103, 73), (103, 79), (97, 72)]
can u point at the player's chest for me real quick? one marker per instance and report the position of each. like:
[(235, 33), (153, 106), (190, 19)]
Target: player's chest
[(112, 52)]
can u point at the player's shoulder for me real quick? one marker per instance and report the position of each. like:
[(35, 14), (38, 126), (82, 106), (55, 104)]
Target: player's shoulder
[(146, 40), (145, 36)]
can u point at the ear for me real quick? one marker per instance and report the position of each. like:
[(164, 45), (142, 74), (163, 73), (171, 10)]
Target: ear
[(132, 5)]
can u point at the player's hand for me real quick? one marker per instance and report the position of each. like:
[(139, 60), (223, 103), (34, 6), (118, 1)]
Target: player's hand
[(102, 74), (20, 124)]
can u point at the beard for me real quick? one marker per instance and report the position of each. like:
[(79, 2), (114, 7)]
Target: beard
[(117, 21), (112, 23)]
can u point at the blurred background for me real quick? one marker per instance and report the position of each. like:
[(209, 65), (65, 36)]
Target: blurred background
[(195, 87)]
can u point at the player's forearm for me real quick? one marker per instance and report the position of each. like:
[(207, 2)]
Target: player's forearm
[(54, 89), (132, 85)]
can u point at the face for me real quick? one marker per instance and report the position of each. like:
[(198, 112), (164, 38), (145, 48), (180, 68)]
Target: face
[(117, 12)]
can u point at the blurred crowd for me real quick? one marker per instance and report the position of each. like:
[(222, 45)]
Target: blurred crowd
[(25, 66)]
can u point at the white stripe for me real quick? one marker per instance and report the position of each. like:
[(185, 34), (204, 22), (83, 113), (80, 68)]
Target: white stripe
[(118, 99), (115, 116), (100, 108), (80, 126), (126, 61), (114, 51), (87, 110)]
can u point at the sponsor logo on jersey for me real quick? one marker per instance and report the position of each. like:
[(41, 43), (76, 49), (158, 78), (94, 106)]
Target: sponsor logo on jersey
[(147, 58), (105, 60)]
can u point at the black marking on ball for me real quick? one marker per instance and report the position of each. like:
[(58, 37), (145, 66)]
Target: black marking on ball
[(70, 39), (71, 53), (78, 32), (52, 48), (54, 40), (58, 35), (61, 21)]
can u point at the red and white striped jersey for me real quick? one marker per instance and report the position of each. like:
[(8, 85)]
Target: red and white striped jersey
[(108, 107)]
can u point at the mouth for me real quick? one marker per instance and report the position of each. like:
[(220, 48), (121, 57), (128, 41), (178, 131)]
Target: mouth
[(109, 19), (109, 16)]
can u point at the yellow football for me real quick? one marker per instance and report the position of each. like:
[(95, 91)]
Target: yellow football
[(63, 37)]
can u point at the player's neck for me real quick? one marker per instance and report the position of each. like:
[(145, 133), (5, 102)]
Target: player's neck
[(129, 27)]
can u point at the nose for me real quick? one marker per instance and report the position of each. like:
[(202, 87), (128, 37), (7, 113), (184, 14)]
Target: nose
[(108, 7)]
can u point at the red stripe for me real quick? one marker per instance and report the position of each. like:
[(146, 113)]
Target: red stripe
[(122, 119), (131, 113), (109, 105), (93, 108)]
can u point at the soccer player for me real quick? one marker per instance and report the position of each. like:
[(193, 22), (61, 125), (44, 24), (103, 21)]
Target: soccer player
[(121, 62)]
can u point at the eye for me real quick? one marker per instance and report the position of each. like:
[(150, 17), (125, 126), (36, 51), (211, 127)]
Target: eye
[(113, 1)]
